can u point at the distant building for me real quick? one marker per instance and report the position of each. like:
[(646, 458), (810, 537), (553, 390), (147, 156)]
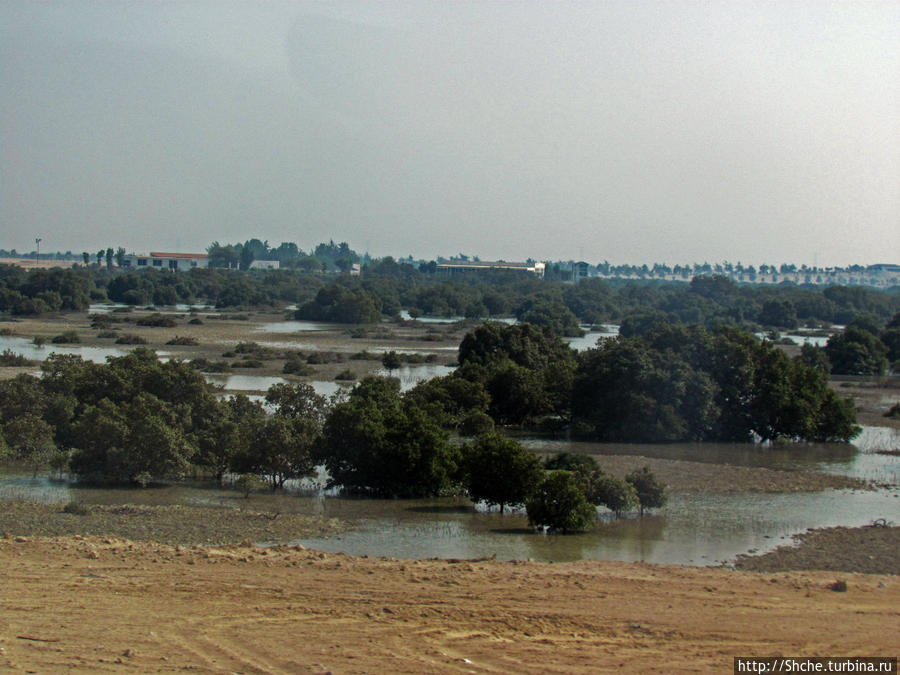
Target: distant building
[(265, 265), (166, 261), (475, 267), (355, 270)]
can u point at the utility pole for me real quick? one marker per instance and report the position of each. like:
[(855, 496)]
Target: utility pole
[(37, 241)]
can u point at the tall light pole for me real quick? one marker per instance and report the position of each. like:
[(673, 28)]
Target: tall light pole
[(38, 242)]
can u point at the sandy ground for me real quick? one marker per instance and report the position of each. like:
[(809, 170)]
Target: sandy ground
[(107, 605)]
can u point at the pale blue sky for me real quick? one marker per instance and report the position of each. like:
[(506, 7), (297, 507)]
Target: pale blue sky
[(764, 132)]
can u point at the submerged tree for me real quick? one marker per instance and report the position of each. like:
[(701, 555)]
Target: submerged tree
[(651, 493), (499, 470), (558, 503)]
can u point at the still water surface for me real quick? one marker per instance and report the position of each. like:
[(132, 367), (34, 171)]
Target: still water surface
[(694, 528)]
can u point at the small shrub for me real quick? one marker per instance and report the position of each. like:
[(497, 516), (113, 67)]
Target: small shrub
[(130, 339), (157, 320), (247, 362), (76, 508), (894, 412), (39, 340), (297, 367), (6, 332), (12, 360), (839, 586), (183, 341), (67, 337), (248, 482), (196, 322), (345, 375), (363, 356), (107, 334)]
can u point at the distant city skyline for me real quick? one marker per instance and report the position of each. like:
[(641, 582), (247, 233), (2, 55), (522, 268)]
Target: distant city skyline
[(673, 132)]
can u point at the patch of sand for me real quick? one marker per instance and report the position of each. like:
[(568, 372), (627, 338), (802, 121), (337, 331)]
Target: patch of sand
[(101, 605)]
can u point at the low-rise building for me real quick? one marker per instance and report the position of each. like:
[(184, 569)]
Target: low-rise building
[(469, 266), (166, 261), (265, 265)]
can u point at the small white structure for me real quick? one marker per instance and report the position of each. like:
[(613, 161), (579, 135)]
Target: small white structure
[(468, 267), (265, 265), (166, 261)]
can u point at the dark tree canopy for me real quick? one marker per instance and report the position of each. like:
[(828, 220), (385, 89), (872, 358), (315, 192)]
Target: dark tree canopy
[(499, 470)]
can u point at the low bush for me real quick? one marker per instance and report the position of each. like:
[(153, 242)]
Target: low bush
[(67, 337), (157, 321), (10, 359), (183, 341), (130, 339)]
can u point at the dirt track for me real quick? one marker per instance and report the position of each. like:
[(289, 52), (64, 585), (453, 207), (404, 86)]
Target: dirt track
[(94, 605)]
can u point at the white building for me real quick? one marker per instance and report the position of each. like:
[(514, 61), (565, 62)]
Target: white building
[(166, 261)]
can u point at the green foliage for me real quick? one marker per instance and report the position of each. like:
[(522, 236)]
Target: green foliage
[(382, 443), (10, 359), (856, 351), (130, 339), (157, 320), (281, 449), (527, 371), (249, 482), (606, 490), (183, 341), (31, 440), (294, 401), (498, 470), (552, 315), (558, 503), (683, 383), (391, 360), (650, 492), (339, 304), (66, 337)]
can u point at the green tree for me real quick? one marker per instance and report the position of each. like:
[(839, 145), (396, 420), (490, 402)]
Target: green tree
[(281, 449), (31, 440), (499, 470), (109, 258), (856, 351), (387, 445), (558, 503), (651, 493), (295, 401), (391, 360)]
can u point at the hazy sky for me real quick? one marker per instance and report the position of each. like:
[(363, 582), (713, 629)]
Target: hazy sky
[(631, 131)]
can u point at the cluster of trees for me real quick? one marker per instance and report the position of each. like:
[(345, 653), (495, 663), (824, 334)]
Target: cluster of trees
[(136, 419), (43, 290), (686, 383), (865, 347), (387, 286), (325, 257)]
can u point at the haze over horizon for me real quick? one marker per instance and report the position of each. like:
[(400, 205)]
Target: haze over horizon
[(673, 132)]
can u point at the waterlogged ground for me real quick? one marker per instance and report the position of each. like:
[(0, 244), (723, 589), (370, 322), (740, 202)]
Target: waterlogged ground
[(725, 500)]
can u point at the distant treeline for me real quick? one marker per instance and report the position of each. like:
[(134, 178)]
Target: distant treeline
[(387, 286)]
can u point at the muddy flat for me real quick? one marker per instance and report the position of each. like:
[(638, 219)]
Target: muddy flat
[(108, 605)]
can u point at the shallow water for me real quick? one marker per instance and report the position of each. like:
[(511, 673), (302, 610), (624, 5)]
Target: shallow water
[(29, 350), (693, 529)]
